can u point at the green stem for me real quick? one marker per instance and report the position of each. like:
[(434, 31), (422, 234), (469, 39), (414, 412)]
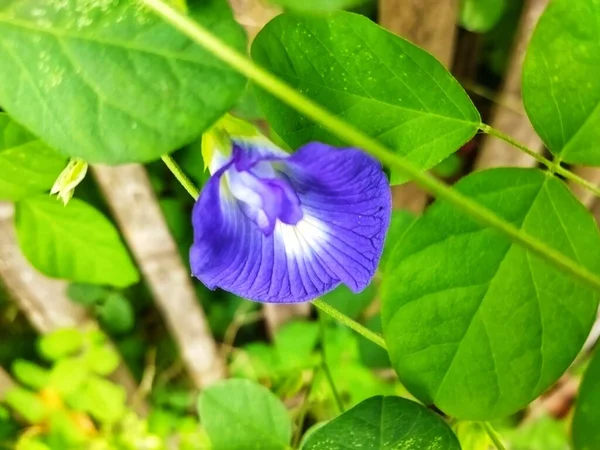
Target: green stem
[(352, 324), (325, 366), (494, 436), (551, 165), (181, 176), (356, 138)]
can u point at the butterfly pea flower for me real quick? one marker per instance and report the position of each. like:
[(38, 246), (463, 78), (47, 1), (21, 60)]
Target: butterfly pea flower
[(282, 228)]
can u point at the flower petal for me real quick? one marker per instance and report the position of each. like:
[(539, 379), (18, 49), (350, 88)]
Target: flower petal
[(345, 196), (346, 204)]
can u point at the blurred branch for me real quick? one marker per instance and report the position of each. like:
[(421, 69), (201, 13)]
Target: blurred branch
[(130, 196)]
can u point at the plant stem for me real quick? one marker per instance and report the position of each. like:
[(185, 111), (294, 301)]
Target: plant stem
[(325, 366), (358, 139), (494, 436), (553, 166), (181, 176), (352, 324)]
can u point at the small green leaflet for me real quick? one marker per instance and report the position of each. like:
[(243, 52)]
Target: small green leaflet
[(374, 80), (108, 81), (384, 423), (242, 415), (74, 242), (27, 165), (473, 322), (561, 92), (586, 433)]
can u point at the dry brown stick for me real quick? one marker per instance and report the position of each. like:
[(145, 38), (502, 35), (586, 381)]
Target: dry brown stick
[(43, 300), (495, 152), (430, 24), (130, 196)]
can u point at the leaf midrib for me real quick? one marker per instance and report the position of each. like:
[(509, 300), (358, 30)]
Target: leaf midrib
[(70, 34)]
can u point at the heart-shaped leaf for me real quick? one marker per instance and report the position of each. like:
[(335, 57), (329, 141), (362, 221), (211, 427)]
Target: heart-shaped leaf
[(242, 415), (473, 322), (371, 78), (384, 423)]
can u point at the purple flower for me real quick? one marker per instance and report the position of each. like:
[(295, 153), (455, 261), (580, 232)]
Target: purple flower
[(281, 228)]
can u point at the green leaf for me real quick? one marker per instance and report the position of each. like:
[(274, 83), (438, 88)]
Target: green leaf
[(349, 303), (60, 343), (544, 433), (27, 404), (385, 423), (162, 422), (480, 16), (28, 443), (104, 400), (68, 375), (473, 322), (240, 414), (150, 91), (317, 5), (75, 242), (295, 343), (27, 166), (117, 314), (369, 77), (586, 434), (102, 360), (561, 92), (30, 374)]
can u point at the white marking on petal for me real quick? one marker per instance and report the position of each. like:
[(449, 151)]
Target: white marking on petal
[(304, 238)]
